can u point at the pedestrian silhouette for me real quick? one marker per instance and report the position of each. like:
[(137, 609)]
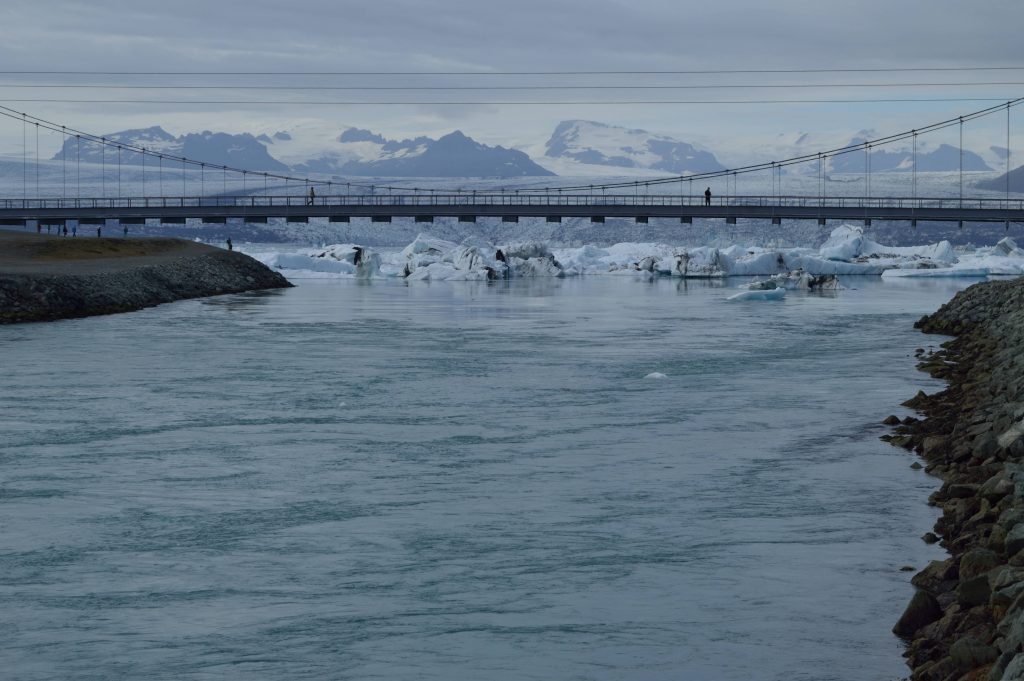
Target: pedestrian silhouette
[(125, 231), (65, 230), (99, 231), (312, 195), (707, 196), (230, 247)]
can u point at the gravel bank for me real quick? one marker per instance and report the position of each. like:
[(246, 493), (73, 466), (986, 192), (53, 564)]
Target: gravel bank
[(45, 278), (966, 621)]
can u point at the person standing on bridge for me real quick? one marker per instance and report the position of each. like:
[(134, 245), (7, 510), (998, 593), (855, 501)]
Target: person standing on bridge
[(312, 197), (707, 196)]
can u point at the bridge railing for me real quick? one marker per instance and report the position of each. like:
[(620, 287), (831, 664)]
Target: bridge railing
[(511, 200)]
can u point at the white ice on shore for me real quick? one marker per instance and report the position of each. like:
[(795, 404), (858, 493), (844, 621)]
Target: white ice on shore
[(846, 252)]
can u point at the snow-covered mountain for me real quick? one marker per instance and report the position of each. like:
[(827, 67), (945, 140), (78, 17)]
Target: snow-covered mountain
[(998, 184), (942, 158), (353, 152), (362, 152), (592, 143), (240, 151)]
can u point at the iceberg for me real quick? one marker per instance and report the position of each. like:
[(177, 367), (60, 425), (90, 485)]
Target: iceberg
[(846, 252)]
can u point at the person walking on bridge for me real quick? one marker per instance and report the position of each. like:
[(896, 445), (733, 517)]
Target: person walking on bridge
[(707, 196), (312, 197)]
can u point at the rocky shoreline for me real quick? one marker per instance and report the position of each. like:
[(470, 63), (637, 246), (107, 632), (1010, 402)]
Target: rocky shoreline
[(48, 279), (966, 620)]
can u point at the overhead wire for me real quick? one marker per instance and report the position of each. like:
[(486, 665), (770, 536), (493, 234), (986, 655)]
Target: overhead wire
[(922, 69), (431, 88)]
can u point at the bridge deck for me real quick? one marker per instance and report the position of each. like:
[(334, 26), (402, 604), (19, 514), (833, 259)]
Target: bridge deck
[(507, 206)]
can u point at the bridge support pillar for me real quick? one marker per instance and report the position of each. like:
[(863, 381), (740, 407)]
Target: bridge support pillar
[(776, 221), (867, 222), (959, 224), (821, 221), (597, 219), (913, 223), (641, 219), (686, 220), (730, 221)]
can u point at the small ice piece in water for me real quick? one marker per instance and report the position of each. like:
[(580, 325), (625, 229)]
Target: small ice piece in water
[(797, 279), (655, 375), (760, 294)]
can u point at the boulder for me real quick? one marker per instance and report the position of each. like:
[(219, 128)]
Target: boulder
[(977, 562), (1014, 541), (968, 653), (1015, 670), (974, 591), (922, 610)]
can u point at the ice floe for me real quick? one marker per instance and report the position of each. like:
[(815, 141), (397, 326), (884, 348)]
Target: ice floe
[(759, 294), (847, 251)]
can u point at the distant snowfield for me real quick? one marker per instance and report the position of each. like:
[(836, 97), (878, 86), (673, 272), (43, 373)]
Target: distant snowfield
[(847, 252)]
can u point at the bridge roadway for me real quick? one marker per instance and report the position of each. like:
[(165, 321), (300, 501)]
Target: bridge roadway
[(508, 206)]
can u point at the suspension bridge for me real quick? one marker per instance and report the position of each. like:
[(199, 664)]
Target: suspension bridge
[(676, 197)]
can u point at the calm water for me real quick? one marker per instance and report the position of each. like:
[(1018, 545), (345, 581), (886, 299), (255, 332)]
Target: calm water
[(463, 481)]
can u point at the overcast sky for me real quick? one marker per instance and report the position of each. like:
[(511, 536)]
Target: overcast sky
[(310, 36)]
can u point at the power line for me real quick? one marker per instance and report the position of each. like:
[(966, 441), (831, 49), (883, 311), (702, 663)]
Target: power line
[(716, 86), (517, 73), (499, 103)]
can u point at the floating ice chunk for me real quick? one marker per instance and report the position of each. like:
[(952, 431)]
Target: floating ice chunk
[(769, 294), (337, 259), (844, 243), (797, 280), (527, 250), (655, 375), (1006, 246), (428, 245)]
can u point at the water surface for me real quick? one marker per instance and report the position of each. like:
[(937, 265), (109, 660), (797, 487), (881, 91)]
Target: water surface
[(463, 481)]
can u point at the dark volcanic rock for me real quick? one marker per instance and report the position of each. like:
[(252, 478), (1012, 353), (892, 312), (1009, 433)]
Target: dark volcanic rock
[(82, 292), (972, 436), (922, 610)]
